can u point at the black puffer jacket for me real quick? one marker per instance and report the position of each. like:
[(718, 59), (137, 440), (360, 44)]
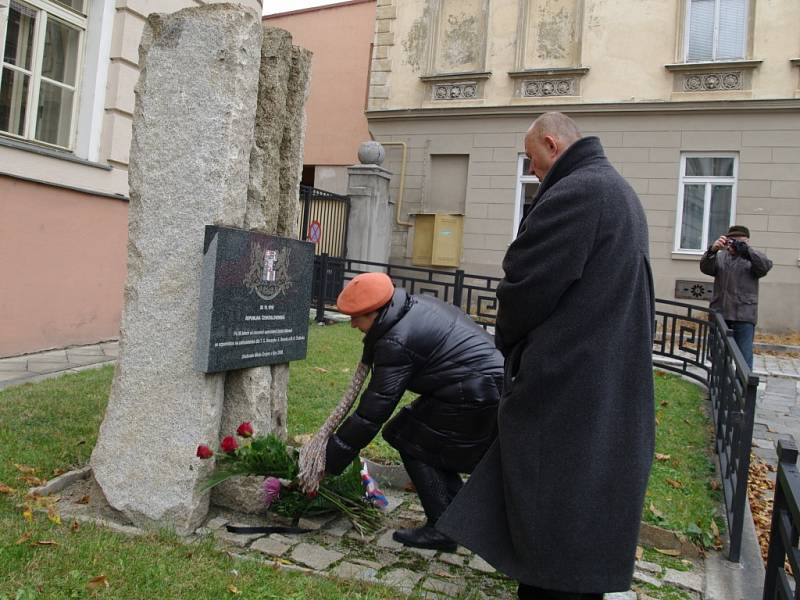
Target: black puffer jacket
[(421, 344)]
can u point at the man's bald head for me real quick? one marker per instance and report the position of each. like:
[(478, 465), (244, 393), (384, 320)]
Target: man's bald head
[(547, 139), (556, 124)]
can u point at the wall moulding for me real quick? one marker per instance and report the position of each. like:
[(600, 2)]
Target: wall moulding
[(543, 83)]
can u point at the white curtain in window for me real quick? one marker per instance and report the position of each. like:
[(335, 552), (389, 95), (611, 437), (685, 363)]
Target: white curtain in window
[(730, 40), (701, 30)]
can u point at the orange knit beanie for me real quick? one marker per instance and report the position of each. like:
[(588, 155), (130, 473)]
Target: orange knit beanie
[(365, 293)]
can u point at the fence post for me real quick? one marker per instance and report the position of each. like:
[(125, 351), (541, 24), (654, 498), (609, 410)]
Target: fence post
[(458, 288), (740, 494), (787, 459), (305, 196), (323, 287)]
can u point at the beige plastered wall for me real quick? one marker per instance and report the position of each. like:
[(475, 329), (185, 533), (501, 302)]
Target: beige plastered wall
[(62, 251), (646, 149), (625, 45)]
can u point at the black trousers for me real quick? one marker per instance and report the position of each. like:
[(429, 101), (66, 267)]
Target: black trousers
[(529, 592)]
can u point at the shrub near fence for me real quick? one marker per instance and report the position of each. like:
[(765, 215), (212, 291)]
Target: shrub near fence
[(690, 340)]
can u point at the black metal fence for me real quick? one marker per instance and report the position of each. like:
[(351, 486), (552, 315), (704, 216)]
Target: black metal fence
[(325, 220), (690, 340), (780, 584)]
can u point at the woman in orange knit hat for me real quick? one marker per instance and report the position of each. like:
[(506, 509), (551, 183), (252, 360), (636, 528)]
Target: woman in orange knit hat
[(420, 344)]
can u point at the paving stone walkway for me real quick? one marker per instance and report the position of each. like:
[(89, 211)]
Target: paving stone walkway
[(335, 549), (777, 404), (29, 368)]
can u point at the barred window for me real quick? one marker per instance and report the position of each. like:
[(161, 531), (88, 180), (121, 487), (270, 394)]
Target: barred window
[(42, 46), (706, 200)]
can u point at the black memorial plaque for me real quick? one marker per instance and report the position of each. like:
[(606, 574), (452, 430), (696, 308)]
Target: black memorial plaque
[(255, 295)]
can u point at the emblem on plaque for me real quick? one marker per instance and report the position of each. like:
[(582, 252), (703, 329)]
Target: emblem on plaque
[(268, 275)]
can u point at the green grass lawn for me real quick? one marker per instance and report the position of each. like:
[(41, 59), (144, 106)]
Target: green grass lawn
[(52, 427)]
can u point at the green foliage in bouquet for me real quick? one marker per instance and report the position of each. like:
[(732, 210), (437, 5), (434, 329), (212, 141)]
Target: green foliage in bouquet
[(269, 457), (266, 455)]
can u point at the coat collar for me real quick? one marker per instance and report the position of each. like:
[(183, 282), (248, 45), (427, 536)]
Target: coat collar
[(585, 151), (387, 318)]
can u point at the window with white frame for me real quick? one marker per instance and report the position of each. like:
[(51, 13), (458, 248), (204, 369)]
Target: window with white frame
[(527, 188), (715, 30), (42, 44), (706, 200)]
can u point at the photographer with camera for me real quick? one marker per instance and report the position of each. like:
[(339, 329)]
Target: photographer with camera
[(736, 273)]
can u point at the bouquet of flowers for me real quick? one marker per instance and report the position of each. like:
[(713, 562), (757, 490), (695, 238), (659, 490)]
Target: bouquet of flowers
[(271, 458)]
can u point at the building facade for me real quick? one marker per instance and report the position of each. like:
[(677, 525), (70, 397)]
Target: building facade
[(66, 105), (340, 37), (697, 103)]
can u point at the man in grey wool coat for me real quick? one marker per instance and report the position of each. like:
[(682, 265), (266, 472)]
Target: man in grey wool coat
[(557, 500)]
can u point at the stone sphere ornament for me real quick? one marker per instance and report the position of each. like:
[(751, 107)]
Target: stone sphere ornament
[(371, 153)]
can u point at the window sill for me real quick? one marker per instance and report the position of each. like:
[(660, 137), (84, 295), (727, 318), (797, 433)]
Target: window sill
[(557, 71), (713, 65), (26, 146), (795, 62), (456, 77), (687, 256)]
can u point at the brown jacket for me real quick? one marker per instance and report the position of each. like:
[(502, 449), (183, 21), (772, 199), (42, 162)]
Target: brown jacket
[(735, 282)]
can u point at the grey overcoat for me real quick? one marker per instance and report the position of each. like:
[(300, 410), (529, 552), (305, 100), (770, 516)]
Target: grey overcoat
[(557, 500)]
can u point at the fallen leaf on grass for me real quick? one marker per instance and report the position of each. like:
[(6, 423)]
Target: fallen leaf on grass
[(687, 421), (24, 538), (57, 472), (639, 552), (664, 403), (45, 543), (662, 457), (75, 526), (53, 516), (95, 583), (674, 483), (714, 484), (656, 513), (668, 551), (320, 370), (33, 481), (25, 469), (346, 370), (233, 589), (27, 514), (83, 500), (4, 489)]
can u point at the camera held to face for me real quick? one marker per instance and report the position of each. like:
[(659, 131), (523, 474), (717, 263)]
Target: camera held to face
[(737, 247)]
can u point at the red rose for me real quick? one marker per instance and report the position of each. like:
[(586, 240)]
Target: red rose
[(204, 451), (229, 444), (245, 430), (312, 495)]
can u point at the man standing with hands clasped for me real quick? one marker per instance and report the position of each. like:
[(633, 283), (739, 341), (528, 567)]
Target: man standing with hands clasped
[(556, 503), (736, 273)]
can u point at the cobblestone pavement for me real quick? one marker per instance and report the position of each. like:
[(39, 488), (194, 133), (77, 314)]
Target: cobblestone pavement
[(335, 549), (768, 365), (777, 403)]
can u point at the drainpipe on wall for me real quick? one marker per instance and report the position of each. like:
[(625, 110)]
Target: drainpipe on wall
[(402, 181)]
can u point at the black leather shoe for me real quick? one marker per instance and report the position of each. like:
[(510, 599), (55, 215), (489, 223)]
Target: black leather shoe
[(425, 537)]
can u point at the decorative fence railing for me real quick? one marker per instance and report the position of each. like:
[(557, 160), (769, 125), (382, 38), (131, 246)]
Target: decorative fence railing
[(778, 583), (689, 340)]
